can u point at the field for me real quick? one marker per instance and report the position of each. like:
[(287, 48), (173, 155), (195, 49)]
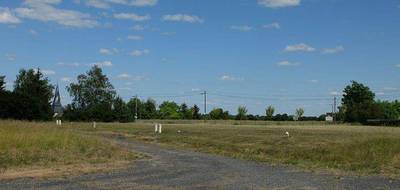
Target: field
[(44, 150), (357, 150)]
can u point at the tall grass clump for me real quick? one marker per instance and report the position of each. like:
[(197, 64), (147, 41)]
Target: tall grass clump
[(43, 144)]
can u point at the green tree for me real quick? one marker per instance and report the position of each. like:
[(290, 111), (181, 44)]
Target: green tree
[(121, 111), (185, 112), (149, 109), (169, 110), (357, 103), (388, 110), (195, 110), (242, 113), (2, 84), (135, 104), (299, 113), (216, 114), (269, 112), (93, 94), (32, 83)]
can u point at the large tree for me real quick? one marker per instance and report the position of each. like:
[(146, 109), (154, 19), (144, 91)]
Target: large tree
[(299, 113), (195, 112), (93, 94), (242, 113), (269, 112), (33, 85), (357, 103), (185, 112), (169, 110)]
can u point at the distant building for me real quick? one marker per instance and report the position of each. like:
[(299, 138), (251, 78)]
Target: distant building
[(329, 117), (56, 106)]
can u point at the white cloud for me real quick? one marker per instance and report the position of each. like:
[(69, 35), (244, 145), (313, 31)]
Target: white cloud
[(135, 37), (279, 3), (299, 47), (243, 28), (388, 88), (103, 64), (398, 65), (66, 79), (137, 3), (105, 4), (168, 33), (43, 10), (229, 78), (8, 17), (125, 76), (132, 16), (182, 18), (380, 93), (333, 50), (138, 53), (106, 51), (273, 25), (33, 32), (313, 81), (287, 64), (11, 57), (69, 64), (138, 27), (46, 72), (335, 93), (97, 4)]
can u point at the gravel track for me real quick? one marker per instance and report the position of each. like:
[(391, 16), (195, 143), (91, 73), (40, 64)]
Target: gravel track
[(181, 169)]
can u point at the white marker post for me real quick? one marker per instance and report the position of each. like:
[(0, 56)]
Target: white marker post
[(94, 124), (158, 128)]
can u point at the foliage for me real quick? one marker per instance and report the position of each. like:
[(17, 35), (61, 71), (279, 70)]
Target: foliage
[(219, 114), (2, 84), (169, 110), (30, 99), (242, 113), (299, 113), (121, 111), (357, 103), (93, 94), (269, 112), (195, 112)]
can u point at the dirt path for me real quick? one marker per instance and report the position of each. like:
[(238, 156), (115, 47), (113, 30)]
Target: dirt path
[(179, 169)]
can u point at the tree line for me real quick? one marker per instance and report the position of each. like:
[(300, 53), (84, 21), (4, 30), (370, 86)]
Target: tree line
[(95, 99)]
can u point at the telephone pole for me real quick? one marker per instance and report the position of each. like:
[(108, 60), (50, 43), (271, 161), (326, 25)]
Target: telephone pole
[(334, 109), (205, 103), (136, 107)]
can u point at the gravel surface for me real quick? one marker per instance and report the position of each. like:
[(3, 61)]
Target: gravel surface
[(182, 169)]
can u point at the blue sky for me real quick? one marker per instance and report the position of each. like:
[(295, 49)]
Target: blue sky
[(285, 53)]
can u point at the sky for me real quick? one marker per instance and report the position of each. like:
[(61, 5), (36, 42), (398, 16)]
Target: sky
[(285, 53)]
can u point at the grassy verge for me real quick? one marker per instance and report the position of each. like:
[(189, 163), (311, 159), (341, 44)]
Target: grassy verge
[(51, 150), (355, 149)]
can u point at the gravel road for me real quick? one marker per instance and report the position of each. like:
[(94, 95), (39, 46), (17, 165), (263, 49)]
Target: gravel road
[(182, 169)]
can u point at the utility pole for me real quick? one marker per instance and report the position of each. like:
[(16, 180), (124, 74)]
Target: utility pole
[(136, 107), (334, 109), (205, 104)]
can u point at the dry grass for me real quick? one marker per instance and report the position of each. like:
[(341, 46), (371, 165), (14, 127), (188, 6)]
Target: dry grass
[(340, 148), (47, 149)]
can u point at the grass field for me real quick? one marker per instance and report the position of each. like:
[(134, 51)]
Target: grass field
[(49, 150), (336, 148)]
